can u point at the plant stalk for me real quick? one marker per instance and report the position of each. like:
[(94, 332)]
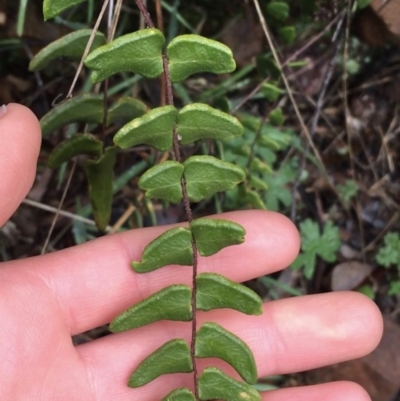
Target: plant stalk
[(186, 202)]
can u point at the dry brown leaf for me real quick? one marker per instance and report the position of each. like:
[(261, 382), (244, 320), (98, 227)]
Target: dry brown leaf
[(348, 275), (389, 12), (379, 24), (245, 37)]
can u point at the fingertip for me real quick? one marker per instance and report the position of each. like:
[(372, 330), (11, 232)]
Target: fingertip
[(290, 238), (278, 234), (20, 144), (368, 319)]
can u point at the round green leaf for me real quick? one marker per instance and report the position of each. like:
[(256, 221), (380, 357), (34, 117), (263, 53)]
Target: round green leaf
[(171, 303), (87, 108), (180, 394), (51, 8), (276, 117), (212, 235), (206, 175), (100, 175), (200, 121), (216, 385), (212, 340), (172, 357), (215, 291), (278, 10), (78, 144), (72, 45), (173, 247), (138, 52), (163, 181), (155, 128), (190, 54), (127, 108)]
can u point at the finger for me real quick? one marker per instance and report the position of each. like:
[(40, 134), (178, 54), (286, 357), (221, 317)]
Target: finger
[(20, 144), (292, 335), (94, 282), (343, 391)]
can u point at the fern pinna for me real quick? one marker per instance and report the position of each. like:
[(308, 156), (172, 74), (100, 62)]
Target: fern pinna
[(177, 181)]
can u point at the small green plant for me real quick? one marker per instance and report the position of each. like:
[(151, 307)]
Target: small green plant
[(388, 256), (314, 244), (165, 128), (348, 191)]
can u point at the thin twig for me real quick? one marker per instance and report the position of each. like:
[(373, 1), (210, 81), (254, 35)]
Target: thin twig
[(160, 20), (87, 48), (317, 113), (287, 85), (53, 223), (296, 54), (115, 20), (347, 120), (63, 213), (250, 95)]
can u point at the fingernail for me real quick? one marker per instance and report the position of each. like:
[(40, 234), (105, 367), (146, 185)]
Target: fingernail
[(3, 110)]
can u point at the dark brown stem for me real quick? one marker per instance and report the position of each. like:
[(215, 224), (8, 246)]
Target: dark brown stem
[(105, 111), (186, 201), (145, 13)]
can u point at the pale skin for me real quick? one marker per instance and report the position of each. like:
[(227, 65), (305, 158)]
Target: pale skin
[(46, 299)]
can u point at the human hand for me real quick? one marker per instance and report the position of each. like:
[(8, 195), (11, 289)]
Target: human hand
[(46, 299)]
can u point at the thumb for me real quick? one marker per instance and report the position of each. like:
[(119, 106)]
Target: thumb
[(19, 149)]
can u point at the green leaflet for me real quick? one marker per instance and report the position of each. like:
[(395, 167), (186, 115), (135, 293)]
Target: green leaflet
[(163, 181), (276, 117), (126, 108), (200, 121), (170, 303), (260, 167), (206, 175), (180, 394), (278, 10), (173, 247), (72, 45), (254, 199), (100, 175), (86, 108), (212, 340), (258, 183), (154, 128), (138, 52), (190, 54), (51, 8), (172, 357), (288, 34), (215, 291), (75, 145), (212, 235), (214, 384)]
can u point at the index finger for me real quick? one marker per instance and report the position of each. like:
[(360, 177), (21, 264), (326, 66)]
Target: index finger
[(20, 143), (93, 282)]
